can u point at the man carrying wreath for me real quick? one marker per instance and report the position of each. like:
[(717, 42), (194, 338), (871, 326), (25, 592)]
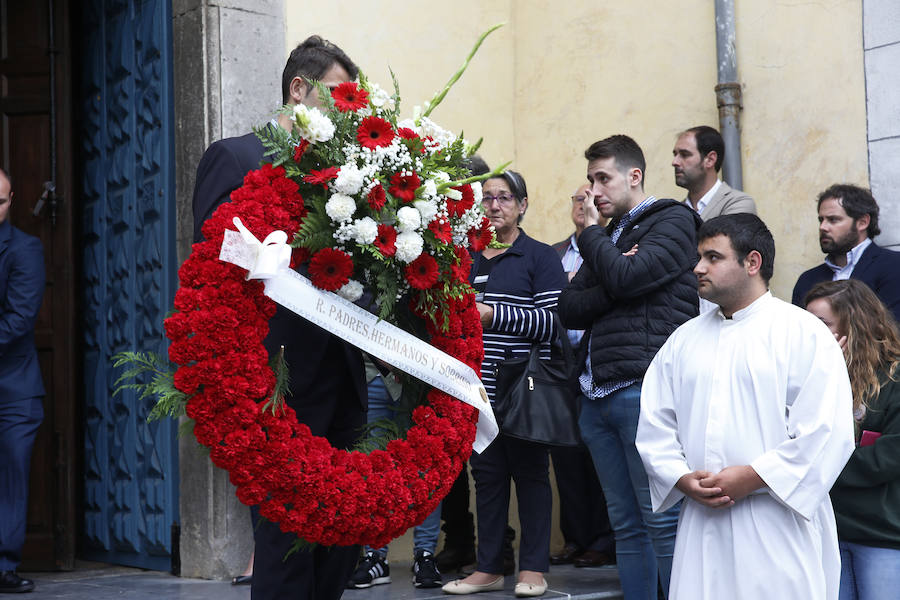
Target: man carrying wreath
[(327, 377)]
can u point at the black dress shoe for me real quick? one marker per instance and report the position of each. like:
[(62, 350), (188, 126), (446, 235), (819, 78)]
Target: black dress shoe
[(565, 556), (594, 558), (11, 583), (242, 580)]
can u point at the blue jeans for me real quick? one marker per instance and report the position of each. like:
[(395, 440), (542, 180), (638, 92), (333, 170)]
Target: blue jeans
[(645, 540), (425, 536), (868, 572)]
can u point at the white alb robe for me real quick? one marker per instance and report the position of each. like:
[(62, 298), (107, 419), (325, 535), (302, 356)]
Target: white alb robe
[(767, 388)]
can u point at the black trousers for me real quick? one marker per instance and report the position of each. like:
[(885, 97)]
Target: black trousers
[(334, 412), (528, 464), (582, 505)]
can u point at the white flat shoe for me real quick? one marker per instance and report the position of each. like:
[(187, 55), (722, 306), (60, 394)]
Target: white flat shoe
[(531, 590), (459, 587)]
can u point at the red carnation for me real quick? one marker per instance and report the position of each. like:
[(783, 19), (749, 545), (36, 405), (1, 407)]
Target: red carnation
[(374, 132), (376, 197), (479, 238), (322, 177), (299, 149), (349, 96), (404, 186), (422, 273), (330, 269), (441, 230), (386, 239), (407, 134)]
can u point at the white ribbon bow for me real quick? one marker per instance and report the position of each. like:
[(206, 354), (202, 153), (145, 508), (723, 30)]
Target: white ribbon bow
[(263, 260)]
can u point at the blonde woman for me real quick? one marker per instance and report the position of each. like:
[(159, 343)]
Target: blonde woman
[(866, 496)]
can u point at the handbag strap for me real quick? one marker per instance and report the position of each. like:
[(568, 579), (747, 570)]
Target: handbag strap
[(567, 350)]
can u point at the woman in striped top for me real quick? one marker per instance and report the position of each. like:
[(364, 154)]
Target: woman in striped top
[(517, 289)]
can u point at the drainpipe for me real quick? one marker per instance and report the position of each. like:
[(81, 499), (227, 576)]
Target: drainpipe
[(728, 93)]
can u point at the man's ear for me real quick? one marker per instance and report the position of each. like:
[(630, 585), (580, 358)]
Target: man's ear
[(635, 177), (299, 88), (862, 223), (709, 161), (753, 262)]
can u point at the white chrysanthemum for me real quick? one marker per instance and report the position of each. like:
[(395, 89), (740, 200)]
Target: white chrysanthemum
[(340, 207), (409, 246), (352, 290), (408, 219), (441, 177), (349, 179), (366, 230), (429, 188), (427, 209), (311, 124)]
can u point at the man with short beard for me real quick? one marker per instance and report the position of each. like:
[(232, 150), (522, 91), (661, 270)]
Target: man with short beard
[(848, 222), (697, 158)]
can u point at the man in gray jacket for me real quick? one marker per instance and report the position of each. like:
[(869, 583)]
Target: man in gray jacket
[(697, 158)]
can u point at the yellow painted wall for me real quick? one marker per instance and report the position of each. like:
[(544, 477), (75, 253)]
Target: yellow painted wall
[(563, 74)]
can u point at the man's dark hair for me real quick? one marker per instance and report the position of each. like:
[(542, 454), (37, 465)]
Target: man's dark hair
[(476, 165), (856, 202), (746, 232), (625, 150), (311, 60), (709, 140)]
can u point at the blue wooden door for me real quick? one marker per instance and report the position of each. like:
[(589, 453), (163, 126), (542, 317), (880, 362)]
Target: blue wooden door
[(128, 192)]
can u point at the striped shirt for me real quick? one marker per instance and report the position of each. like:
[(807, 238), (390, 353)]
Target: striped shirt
[(523, 286)]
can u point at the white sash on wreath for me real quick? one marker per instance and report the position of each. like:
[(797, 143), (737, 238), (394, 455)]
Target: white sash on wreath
[(269, 261)]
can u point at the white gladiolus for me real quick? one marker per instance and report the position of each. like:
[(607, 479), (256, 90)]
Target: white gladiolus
[(366, 230), (312, 124), (429, 188), (453, 194), (476, 190), (352, 290), (340, 207), (427, 209), (408, 219), (409, 246)]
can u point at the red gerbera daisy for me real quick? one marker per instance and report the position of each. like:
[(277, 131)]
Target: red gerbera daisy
[(481, 236), (374, 132), (299, 149), (441, 230), (422, 273), (386, 240), (349, 96), (322, 177), (376, 197), (404, 186), (456, 208), (330, 269)]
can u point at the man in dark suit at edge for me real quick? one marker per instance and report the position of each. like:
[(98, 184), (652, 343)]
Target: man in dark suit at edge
[(323, 396), (848, 223), (22, 282)]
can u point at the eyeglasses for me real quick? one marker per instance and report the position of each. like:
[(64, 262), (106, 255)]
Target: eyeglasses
[(503, 199), (577, 199)]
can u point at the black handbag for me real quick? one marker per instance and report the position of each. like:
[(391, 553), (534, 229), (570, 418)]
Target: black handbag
[(537, 400)]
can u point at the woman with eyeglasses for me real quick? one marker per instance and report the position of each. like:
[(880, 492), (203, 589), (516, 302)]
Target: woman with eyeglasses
[(866, 495), (517, 287)]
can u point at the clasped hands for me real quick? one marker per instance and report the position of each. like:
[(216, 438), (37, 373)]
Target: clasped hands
[(722, 489)]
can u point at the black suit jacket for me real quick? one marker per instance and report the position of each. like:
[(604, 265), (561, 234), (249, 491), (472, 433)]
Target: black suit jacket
[(878, 267), (313, 355)]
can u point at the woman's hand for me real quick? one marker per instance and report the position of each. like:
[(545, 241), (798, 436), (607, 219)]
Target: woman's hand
[(486, 312)]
